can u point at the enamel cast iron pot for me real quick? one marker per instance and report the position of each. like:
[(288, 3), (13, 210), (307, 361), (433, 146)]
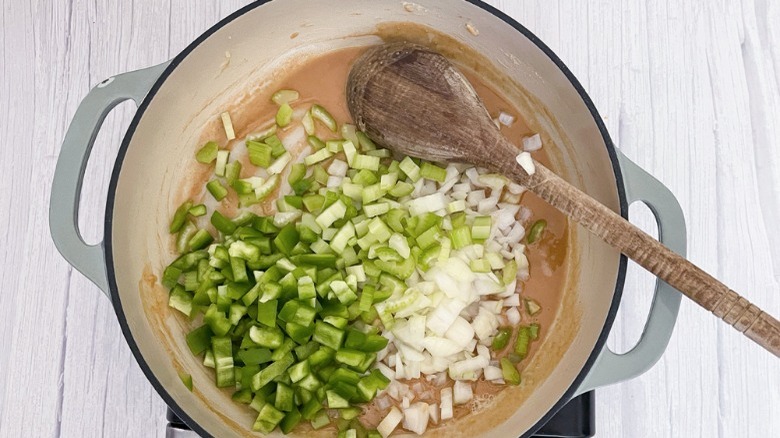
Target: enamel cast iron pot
[(177, 98)]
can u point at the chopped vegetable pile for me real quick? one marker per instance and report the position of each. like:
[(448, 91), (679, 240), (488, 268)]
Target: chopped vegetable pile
[(371, 271)]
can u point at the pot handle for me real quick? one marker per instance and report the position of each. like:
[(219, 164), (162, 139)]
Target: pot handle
[(611, 367), (72, 163)]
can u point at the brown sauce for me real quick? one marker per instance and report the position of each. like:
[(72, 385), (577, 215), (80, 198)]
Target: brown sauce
[(322, 80)]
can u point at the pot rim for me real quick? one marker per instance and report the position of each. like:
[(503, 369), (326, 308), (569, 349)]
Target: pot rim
[(108, 244)]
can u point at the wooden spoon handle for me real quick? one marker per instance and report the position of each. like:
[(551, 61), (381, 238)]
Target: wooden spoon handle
[(649, 253)]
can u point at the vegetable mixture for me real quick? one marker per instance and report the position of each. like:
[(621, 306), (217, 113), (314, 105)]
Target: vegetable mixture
[(373, 271)]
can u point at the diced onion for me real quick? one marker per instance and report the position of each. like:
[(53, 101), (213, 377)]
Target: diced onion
[(526, 162), (416, 418), (390, 422), (493, 373), (427, 204), (532, 143), (338, 168), (446, 403), (227, 123), (462, 393), (434, 413), (506, 119), (513, 315), (512, 301)]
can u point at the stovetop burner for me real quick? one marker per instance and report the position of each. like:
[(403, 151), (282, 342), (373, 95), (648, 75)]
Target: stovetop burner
[(575, 420)]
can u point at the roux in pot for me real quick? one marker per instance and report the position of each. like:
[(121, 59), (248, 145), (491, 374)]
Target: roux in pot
[(321, 79)]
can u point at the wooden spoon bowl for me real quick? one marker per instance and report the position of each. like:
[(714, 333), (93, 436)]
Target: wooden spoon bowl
[(412, 100)]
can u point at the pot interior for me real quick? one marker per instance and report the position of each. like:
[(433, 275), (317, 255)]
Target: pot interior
[(245, 54)]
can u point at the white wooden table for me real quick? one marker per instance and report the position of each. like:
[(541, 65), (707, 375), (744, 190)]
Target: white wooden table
[(690, 90)]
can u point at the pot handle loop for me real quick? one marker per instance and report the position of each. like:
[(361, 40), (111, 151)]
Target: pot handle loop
[(72, 163), (611, 367)]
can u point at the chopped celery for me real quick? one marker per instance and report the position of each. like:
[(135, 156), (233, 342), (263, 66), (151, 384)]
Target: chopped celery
[(198, 210), (217, 190), (461, 237), (536, 231), (321, 114), (509, 371), (365, 143), (308, 123), (285, 96), (259, 153), (232, 172), (280, 163), (186, 379), (433, 172), (320, 155), (315, 143), (367, 162), (480, 229), (480, 265), (222, 224), (207, 153), (222, 161), (522, 342), (501, 340), (180, 216), (410, 169)]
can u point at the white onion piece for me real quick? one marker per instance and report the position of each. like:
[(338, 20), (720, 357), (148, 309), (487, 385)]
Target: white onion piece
[(334, 181), (460, 332), (461, 393), (526, 162), (473, 176), (427, 204), (485, 323), (446, 403), (391, 360), (385, 370), (338, 168), (438, 346), (413, 369), (505, 218), (400, 245), (525, 214), (442, 317), (512, 301), (532, 143), (408, 354), (418, 186), (400, 373), (487, 205), (462, 188), (383, 403), (428, 188), (416, 418), (506, 119), (516, 234), (493, 373), (405, 402), (515, 188), (491, 306), (485, 286), (468, 369), (390, 422), (426, 287), (433, 413), (474, 197), (513, 316), (392, 389)]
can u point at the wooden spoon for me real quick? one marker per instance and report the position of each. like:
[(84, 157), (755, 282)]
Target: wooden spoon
[(414, 101)]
